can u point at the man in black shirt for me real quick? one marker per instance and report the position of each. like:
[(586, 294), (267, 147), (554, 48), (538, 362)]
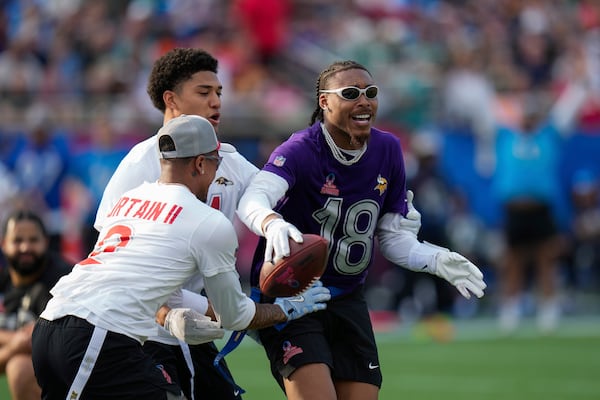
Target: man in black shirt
[(29, 272)]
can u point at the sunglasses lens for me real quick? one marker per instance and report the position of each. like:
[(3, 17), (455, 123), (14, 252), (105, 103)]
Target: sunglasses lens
[(371, 92), (350, 93)]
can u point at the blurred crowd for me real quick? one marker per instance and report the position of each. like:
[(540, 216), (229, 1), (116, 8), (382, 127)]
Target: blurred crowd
[(452, 75)]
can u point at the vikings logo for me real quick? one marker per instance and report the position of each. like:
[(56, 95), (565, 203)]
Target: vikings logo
[(381, 185), (223, 181)]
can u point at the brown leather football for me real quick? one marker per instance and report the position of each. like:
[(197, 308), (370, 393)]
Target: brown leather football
[(293, 274)]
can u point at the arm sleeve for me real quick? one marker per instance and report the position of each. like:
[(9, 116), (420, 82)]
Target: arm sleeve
[(259, 199), (194, 301), (395, 243), (235, 309)]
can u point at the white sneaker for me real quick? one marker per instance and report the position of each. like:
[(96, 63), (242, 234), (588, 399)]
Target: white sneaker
[(548, 315), (509, 315)]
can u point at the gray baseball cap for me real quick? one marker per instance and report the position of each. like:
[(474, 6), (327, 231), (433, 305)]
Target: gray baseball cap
[(192, 135)]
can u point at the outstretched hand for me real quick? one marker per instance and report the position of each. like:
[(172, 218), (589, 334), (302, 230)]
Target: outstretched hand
[(461, 273), (451, 266)]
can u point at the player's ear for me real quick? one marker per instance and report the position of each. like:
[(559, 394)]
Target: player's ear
[(323, 102), (198, 165), (169, 99)]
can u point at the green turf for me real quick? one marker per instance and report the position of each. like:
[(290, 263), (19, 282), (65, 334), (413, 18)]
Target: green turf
[(521, 368), (3, 388), (477, 364)]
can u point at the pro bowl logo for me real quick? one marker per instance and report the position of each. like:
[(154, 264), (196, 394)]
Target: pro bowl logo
[(287, 278)]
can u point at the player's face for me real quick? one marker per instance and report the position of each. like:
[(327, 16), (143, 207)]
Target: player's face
[(200, 95), (24, 246), (349, 120)]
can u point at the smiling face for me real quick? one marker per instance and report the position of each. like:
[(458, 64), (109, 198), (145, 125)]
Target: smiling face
[(348, 121), (199, 95)]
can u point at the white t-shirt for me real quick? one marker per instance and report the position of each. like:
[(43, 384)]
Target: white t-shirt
[(156, 238), (142, 164)]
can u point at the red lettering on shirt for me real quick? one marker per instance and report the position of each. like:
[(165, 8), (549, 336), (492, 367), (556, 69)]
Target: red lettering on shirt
[(133, 203), (122, 201), (142, 210), (173, 213), (155, 210), (215, 202)]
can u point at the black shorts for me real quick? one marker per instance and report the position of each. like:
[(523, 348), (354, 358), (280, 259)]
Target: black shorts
[(528, 224), (340, 336), (207, 382), (120, 370)]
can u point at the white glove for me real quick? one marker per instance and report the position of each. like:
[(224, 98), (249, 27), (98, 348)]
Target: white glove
[(311, 300), (277, 232), (451, 266), (412, 222), (192, 327)]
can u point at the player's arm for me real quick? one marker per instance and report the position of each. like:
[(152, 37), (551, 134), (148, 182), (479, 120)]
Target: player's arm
[(186, 299), (255, 210), (401, 246), (237, 311), (17, 342)]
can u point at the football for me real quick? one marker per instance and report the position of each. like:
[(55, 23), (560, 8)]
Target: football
[(293, 274)]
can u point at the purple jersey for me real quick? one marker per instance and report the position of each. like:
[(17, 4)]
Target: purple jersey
[(341, 203)]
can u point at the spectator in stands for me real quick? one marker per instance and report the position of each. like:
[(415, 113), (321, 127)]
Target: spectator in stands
[(92, 167), (39, 162), (585, 230), (25, 281)]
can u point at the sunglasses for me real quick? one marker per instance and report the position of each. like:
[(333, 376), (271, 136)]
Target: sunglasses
[(353, 93), (218, 159)]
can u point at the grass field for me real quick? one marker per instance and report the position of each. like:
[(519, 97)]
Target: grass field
[(477, 363)]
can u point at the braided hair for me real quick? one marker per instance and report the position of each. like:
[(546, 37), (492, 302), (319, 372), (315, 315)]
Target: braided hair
[(324, 77)]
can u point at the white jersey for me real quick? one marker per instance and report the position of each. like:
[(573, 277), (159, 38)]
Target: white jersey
[(155, 238), (142, 164)]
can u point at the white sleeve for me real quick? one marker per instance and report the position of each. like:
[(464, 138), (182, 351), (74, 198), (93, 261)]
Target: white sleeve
[(396, 243), (195, 301), (216, 247), (183, 298), (235, 309), (259, 199)]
